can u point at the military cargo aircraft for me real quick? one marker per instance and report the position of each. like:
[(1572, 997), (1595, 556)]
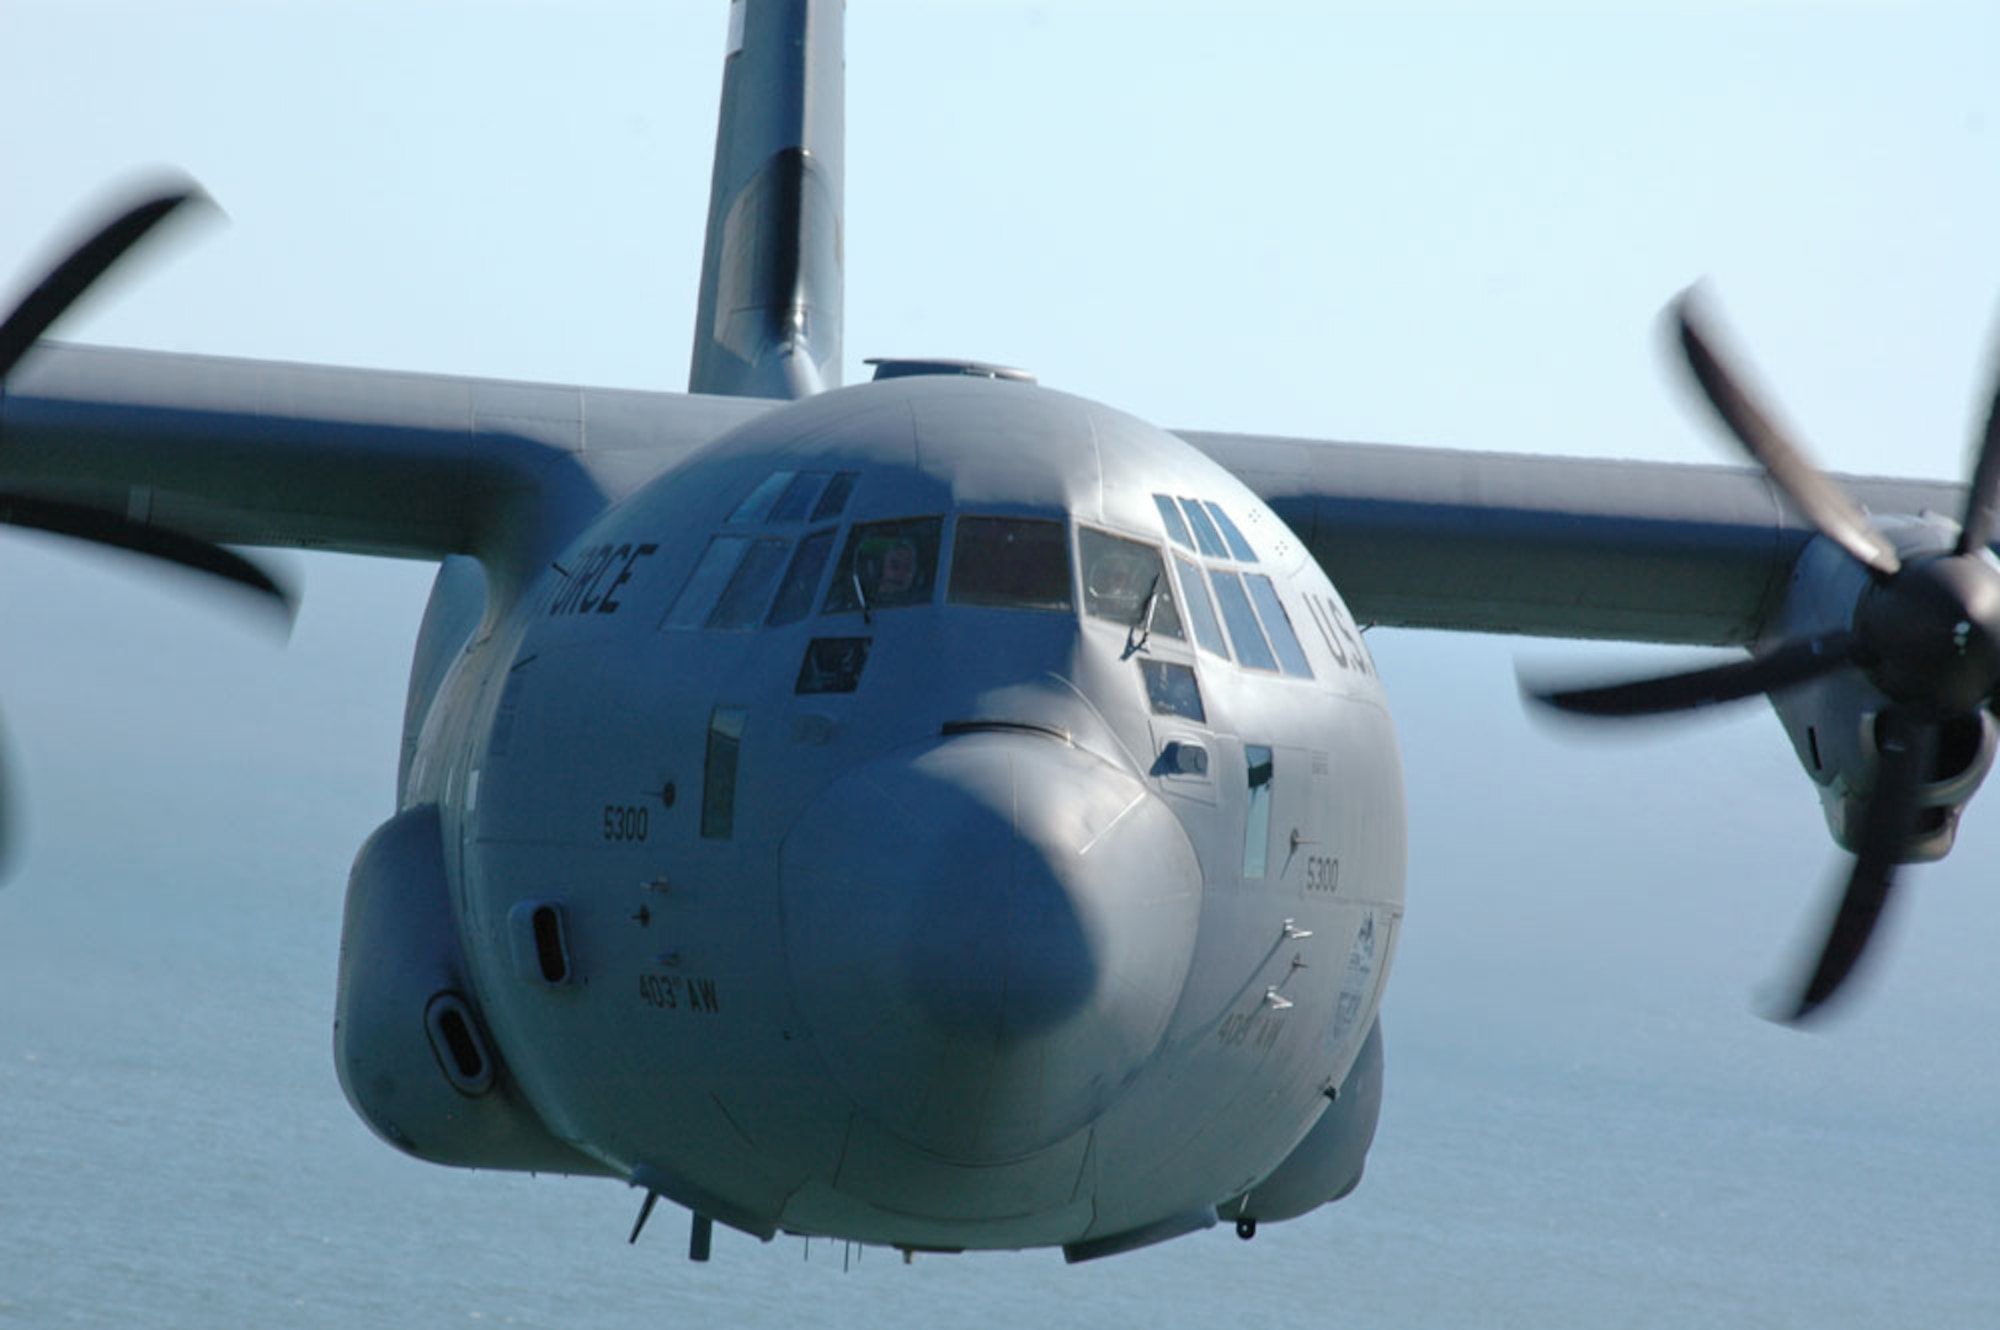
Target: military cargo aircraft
[(1000, 804)]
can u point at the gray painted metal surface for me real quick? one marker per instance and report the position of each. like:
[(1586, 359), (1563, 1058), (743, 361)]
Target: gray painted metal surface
[(769, 316), (972, 962), (1552, 546)]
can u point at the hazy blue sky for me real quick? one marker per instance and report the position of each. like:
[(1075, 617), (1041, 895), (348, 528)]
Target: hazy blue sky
[(1410, 223)]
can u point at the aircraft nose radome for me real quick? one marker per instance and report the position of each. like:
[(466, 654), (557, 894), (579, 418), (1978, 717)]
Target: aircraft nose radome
[(986, 937)]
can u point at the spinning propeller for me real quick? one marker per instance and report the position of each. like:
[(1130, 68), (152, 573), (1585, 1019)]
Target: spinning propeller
[(89, 260), (1925, 632)]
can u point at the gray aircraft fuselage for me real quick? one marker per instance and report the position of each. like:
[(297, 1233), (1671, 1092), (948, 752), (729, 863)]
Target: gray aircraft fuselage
[(1002, 912)]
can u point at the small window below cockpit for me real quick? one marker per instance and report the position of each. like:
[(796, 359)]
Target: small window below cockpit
[(1172, 690), (1019, 562), (1125, 581), (886, 566)]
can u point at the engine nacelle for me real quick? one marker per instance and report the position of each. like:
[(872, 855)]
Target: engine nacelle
[(1832, 720), (1327, 1164), (408, 1041)]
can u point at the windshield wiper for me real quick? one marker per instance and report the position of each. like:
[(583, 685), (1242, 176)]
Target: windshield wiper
[(1143, 624), (862, 596)]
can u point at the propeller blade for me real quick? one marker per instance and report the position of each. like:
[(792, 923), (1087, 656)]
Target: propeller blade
[(1906, 744), (1982, 504), (1821, 502), (33, 316), (103, 527), (86, 263), (1781, 666)]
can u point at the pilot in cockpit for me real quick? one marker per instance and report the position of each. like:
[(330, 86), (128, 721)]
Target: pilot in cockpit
[(888, 568)]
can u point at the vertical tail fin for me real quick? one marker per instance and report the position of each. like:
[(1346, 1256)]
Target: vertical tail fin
[(768, 324)]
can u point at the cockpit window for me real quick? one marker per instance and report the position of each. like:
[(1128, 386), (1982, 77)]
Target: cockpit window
[(795, 597), (886, 566), (1125, 581), (1170, 513), (790, 496), (1251, 648), (1239, 548), (1278, 624), (1205, 534), (1012, 561), (749, 590), (714, 570), (799, 496), (834, 498), (1201, 610), (758, 506)]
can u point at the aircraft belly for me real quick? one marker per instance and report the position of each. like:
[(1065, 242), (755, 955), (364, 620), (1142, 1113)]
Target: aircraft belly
[(886, 1192)]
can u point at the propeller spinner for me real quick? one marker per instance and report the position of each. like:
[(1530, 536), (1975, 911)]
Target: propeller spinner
[(1925, 632)]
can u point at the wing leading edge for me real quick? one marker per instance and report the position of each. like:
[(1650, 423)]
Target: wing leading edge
[(1545, 546), (260, 453)]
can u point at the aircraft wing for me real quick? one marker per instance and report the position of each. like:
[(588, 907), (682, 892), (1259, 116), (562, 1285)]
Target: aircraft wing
[(1549, 546), (262, 453), (248, 452)]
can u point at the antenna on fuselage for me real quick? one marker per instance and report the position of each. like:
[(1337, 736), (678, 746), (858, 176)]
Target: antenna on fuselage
[(768, 322)]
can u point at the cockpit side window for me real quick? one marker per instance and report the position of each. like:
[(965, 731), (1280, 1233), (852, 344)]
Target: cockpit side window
[(1244, 632), (749, 590), (1278, 624), (1257, 814), (1201, 610), (795, 597), (711, 573), (1126, 582), (886, 566), (718, 781), (1018, 562), (1176, 526)]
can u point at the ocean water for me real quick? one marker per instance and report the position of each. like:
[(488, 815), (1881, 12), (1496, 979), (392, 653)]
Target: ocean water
[(1584, 1124)]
